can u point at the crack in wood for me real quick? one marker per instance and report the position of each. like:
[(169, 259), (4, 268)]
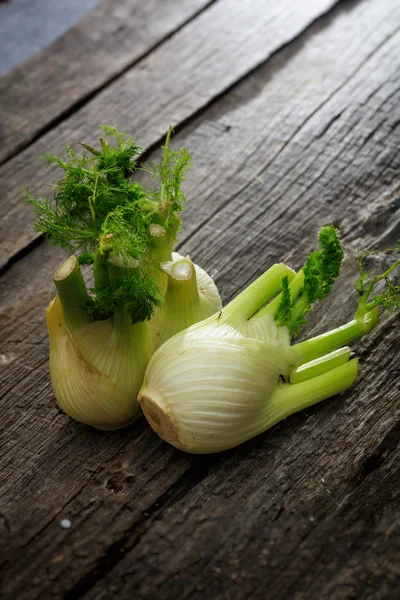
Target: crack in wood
[(6, 524), (318, 24), (14, 258), (380, 454)]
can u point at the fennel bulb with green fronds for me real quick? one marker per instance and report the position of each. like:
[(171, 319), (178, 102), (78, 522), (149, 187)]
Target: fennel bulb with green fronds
[(101, 338), (236, 374), (97, 365)]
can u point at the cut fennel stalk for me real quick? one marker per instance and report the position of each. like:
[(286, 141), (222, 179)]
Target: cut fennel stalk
[(191, 296), (235, 375)]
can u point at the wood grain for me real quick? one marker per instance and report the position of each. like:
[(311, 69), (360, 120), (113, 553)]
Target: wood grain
[(107, 41), (179, 78), (311, 508)]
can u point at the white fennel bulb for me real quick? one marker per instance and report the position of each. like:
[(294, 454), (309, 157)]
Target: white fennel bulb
[(96, 367), (212, 386), (236, 374)]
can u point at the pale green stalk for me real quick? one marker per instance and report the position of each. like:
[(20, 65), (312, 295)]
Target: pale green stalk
[(295, 286), (341, 336), (320, 365), (292, 398), (184, 304), (72, 292), (253, 298)]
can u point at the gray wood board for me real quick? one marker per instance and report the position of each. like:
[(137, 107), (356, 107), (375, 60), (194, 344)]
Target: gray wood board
[(307, 510), (179, 78), (43, 22), (53, 83)]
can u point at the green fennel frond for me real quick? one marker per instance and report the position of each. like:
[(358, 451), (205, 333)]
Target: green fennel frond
[(388, 298), (142, 296), (93, 185), (318, 275), (86, 258), (129, 233), (363, 275), (138, 295), (170, 173), (118, 158), (323, 266), (284, 313), (98, 211), (61, 227)]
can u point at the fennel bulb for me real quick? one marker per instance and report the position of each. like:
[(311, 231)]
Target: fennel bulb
[(100, 342), (96, 367), (234, 375)]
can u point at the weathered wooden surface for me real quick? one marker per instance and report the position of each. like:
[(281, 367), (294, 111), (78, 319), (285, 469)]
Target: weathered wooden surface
[(66, 74), (310, 509), (207, 56), (51, 18)]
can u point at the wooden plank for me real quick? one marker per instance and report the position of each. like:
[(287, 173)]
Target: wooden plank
[(44, 21), (294, 517), (107, 41), (169, 86), (333, 158)]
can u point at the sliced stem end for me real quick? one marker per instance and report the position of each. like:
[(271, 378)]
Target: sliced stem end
[(161, 421)]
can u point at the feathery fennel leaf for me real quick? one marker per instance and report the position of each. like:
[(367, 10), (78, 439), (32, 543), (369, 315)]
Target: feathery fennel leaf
[(320, 271), (284, 313), (99, 211), (170, 173), (388, 298), (323, 266), (93, 185)]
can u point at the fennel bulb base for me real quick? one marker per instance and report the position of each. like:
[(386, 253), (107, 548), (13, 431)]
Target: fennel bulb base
[(160, 420)]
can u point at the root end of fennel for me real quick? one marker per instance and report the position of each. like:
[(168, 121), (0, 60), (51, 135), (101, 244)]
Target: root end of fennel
[(160, 420)]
